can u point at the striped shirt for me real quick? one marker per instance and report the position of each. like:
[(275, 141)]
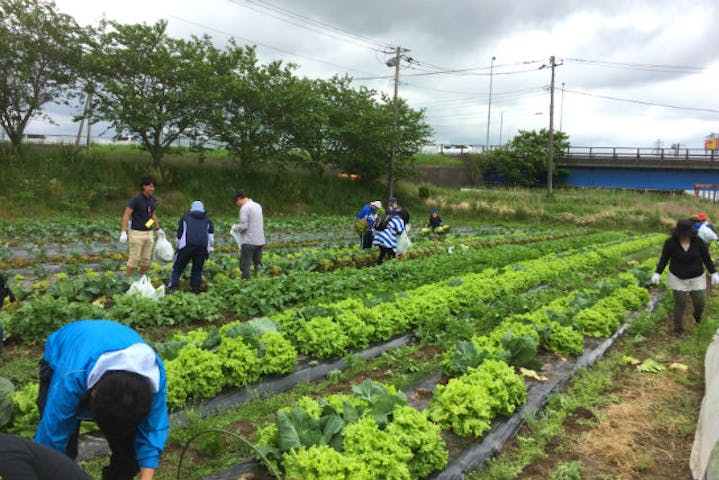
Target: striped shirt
[(387, 238)]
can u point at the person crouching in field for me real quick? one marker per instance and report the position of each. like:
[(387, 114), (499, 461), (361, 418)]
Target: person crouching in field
[(104, 371), (687, 255), (195, 238), (387, 228)]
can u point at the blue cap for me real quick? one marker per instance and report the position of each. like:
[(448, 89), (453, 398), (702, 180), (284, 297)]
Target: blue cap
[(197, 206), (432, 210), (392, 200)]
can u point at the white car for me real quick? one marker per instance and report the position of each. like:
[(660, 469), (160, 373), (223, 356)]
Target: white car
[(455, 149)]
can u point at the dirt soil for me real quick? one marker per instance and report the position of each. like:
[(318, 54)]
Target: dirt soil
[(643, 431)]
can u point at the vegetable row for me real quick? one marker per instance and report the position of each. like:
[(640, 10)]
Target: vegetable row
[(201, 366), (320, 438), (94, 295)]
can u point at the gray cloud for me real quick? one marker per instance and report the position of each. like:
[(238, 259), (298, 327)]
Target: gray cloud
[(462, 33)]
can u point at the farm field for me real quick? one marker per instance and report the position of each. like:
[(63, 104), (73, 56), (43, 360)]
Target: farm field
[(412, 363)]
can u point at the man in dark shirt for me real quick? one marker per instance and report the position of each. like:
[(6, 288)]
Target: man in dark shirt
[(141, 210), (26, 460)]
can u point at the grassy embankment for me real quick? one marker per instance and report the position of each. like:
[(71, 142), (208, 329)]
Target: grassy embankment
[(57, 182)]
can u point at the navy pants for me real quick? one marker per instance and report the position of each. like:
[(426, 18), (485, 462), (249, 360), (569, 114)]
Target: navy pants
[(366, 239), (197, 255)]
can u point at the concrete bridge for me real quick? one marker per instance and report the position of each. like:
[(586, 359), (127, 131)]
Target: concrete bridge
[(642, 168)]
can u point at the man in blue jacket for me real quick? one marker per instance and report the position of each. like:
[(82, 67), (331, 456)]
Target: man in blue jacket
[(369, 214), (104, 371), (195, 237)]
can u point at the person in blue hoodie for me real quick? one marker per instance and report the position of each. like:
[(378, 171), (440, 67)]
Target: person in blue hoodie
[(104, 371), (195, 237)]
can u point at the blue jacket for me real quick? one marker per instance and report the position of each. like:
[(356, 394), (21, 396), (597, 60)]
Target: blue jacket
[(367, 214), (72, 352), (195, 229)]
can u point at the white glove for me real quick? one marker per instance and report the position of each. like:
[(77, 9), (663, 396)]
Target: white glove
[(715, 278), (161, 233), (123, 237), (210, 250), (655, 279), (234, 228)]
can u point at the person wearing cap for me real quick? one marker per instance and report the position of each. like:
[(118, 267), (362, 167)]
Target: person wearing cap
[(195, 238), (687, 255), (104, 371), (704, 228), (369, 214)]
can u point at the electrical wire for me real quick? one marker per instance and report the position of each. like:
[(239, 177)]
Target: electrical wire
[(265, 45), (641, 102), (647, 67), (322, 28)]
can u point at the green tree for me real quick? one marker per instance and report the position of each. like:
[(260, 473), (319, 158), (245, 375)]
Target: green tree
[(151, 84), (252, 105), (523, 160), (40, 50)]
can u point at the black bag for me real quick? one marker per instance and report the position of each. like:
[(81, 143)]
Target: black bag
[(381, 223)]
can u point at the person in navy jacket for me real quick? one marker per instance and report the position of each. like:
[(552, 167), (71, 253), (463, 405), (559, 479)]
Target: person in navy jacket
[(195, 237), (104, 371)]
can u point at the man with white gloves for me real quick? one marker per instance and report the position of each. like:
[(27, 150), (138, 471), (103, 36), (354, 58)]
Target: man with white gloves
[(687, 255), (141, 210)]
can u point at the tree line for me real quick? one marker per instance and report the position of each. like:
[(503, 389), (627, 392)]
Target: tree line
[(156, 87)]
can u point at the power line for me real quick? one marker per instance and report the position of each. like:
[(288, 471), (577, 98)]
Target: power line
[(650, 67), (317, 26), (460, 72), (641, 102), (266, 45)]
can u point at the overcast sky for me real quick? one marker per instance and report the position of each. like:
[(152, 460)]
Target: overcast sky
[(652, 51)]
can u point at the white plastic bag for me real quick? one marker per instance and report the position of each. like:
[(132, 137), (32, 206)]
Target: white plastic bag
[(235, 232), (143, 287), (707, 234), (163, 249), (403, 243)]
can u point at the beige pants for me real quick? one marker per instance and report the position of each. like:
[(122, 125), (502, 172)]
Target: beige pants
[(140, 248)]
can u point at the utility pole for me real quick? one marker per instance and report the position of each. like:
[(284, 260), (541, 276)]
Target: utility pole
[(501, 125), (561, 110), (89, 120), (394, 62), (489, 107), (82, 120), (550, 147)]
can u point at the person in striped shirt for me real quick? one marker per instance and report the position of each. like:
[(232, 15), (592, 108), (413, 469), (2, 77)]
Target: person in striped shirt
[(386, 235)]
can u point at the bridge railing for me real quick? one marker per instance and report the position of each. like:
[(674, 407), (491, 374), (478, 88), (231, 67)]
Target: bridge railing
[(623, 153)]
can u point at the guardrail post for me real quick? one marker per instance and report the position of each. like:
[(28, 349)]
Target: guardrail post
[(662, 157), (614, 153), (687, 157), (638, 154), (590, 153)]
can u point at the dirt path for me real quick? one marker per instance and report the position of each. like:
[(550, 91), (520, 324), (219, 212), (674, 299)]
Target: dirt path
[(637, 426)]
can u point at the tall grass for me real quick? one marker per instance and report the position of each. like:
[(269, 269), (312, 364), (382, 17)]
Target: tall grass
[(59, 181)]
